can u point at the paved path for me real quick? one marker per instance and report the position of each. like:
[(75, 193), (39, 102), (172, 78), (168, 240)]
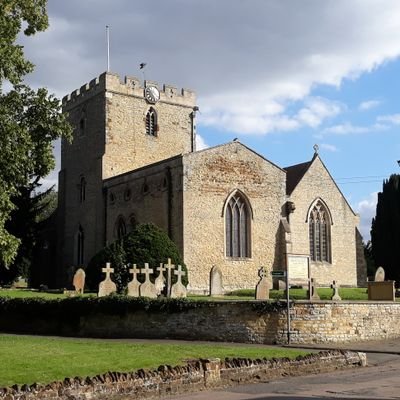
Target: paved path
[(380, 380)]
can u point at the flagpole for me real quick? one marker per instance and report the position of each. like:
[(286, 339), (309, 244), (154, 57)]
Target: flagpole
[(108, 47)]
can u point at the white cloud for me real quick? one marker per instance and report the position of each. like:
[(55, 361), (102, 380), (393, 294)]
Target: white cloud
[(200, 143), (248, 64), (368, 105), (367, 210), (347, 128), (329, 147), (316, 110), (392, 119)]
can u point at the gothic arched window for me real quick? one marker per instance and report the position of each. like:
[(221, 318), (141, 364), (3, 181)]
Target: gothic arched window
[(319, 224), (120, 227), (80, 245), (151, 122), (237, 227)]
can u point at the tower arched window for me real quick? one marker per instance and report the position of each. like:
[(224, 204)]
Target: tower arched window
[(319, 224), (237, 227), (151, 122), (82, 189), (120, 227), (80, 245)]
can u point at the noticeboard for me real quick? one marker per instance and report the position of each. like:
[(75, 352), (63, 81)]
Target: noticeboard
[(298, 267)]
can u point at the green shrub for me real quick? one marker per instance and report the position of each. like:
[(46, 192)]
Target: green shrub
[(145, 244)]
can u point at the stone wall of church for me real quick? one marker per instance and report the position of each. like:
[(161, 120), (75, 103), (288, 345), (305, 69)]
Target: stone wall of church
[(149, 194), (210, 176), (127, 145), (317, 183)]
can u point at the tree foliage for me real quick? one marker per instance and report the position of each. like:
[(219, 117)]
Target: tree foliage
[(145, 244), (385, 230), (30, 120)]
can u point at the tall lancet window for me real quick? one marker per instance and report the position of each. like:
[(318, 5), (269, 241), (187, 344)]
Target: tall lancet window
[(237, 227), (80, 245), (320, 233), (151, 122)]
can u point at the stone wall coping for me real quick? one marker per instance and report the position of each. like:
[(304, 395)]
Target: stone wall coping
[(195, 375)]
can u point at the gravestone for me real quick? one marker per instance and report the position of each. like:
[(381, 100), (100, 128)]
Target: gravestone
[(169, 267), (380, 275), (178, 289), (262, 288), (147, 288), (134, 284), (159, 283), (382, 291), (335, 288), (107, 286), (79, 281), (313, 295), (216, 288)]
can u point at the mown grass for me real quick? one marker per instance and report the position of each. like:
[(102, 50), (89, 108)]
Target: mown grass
[(28, 293), (27, 359)]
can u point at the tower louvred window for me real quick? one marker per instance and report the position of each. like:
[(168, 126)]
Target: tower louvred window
[(151, 122)]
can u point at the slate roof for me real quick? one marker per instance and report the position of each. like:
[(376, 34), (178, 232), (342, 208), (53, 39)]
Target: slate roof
[(294, 174)]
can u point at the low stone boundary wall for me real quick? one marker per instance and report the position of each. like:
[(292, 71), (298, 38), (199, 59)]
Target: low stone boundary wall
[(195, 376), (241, 321)]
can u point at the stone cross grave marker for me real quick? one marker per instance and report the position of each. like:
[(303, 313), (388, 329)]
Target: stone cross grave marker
[(313, 295), (380, 275), (107, 286), (262, 288), (160, 280), (169, 267), (134, 284), (79, 281), (178, 289), (147, 288), (216, 288), (335, 296)]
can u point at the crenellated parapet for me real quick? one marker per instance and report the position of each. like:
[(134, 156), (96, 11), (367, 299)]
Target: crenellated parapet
[(130, 86)]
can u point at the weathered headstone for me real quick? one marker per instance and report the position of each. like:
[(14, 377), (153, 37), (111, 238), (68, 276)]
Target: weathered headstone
[(262, 288), (313, 290), (147, 288), (159, 283), (216, 288), (169, 267), (79, 281), (380, 275), (134, 284), (107, 286), (178, 289), (335, 288)]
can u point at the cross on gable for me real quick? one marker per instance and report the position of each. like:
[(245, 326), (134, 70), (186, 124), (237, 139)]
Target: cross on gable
[(108, 270), (179, 273), (147, 271), (134, 271)]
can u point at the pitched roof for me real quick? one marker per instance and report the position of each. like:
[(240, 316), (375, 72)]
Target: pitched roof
[(294, 174)]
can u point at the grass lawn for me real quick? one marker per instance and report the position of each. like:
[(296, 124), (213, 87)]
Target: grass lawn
[(24, 293), (27, 359)]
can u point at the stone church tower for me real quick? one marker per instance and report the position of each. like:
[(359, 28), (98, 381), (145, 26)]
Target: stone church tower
[(118, 127)]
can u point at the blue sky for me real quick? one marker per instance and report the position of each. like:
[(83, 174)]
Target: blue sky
[(281, 75)]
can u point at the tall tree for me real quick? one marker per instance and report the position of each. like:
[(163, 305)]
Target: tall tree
[(29, 120), (385, 230)]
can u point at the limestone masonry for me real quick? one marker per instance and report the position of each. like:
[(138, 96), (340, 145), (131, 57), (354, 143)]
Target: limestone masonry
[(133, 160)]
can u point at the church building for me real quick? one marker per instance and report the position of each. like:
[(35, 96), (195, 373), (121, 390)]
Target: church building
[(133, 160)]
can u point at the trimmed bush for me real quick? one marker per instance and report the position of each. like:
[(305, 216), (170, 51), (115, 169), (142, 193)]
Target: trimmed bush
[(145, 244)]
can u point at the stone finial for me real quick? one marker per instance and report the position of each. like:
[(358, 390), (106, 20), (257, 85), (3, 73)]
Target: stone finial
[(316, 148)]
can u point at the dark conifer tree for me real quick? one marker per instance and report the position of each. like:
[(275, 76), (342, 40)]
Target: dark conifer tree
[(385, 230)]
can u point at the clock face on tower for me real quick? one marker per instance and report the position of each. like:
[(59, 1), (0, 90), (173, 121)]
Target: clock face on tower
[(152, 94)]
